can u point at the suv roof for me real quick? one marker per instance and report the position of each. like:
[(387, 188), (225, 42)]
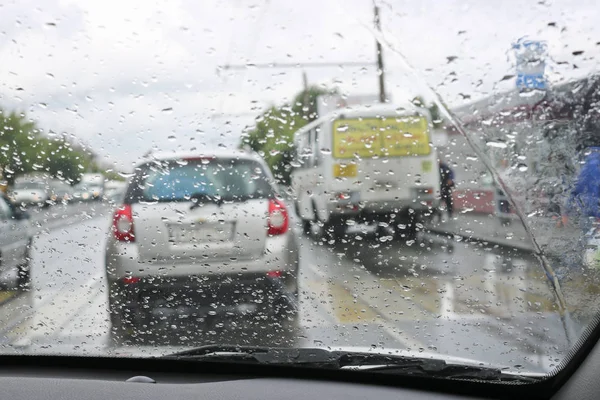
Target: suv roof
[(178, 155)]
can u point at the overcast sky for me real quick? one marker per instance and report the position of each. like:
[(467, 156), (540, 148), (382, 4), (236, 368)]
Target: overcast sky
[(125, 76)]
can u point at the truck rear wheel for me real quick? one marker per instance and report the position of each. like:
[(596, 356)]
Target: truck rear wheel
[(306, 227), (336, 228), (406, 227)]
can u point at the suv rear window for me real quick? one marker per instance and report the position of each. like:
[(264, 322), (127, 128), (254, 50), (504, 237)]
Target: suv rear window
[(227, 179)]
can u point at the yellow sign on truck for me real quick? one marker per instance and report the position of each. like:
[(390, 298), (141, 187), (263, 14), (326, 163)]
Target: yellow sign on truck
[(389, 137)]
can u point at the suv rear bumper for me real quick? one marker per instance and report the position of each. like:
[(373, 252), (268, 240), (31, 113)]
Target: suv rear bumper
[(192, 290), (194, 299)]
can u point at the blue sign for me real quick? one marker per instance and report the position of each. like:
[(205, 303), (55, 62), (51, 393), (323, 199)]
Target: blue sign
[(531, 63), (528, 81)]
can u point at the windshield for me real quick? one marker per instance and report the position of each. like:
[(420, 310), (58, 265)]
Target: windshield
[(29, 185), (418, 179)]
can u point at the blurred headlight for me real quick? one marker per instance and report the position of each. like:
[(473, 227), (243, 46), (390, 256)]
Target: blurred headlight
[(85, 195)]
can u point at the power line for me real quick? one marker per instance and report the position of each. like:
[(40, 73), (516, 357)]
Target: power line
[(303, 65), (324, 64), (298, 65), (254, 42)]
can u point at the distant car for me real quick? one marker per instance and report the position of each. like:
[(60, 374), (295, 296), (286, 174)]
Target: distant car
[(114, 190), (200, 237), (86, 192), (81, 193), (15, 244), (31, 193), (61, 192), (114, 195), (96, 192)]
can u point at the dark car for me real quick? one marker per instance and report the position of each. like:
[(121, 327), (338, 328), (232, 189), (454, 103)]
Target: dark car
[(15, 244)]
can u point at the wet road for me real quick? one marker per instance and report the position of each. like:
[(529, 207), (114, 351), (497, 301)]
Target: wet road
[(433, 295)]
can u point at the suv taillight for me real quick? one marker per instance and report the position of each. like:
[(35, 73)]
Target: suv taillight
[(278, 219), (123, 224)]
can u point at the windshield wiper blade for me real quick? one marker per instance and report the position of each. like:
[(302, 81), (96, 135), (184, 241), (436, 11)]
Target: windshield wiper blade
[(322, 358), (260, 355)]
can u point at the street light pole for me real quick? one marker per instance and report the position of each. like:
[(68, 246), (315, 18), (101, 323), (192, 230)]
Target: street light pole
[(306, 97)]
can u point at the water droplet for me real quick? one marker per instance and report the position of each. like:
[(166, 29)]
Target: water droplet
[(499, 145)]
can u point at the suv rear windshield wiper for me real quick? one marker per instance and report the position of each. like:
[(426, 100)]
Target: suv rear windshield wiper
[(372, 362), (198, 198)]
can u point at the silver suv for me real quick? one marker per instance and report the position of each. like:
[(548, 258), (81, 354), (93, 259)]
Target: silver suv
[(200, 238)]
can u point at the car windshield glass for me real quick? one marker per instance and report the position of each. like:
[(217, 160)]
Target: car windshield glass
[(228, 179), (418, 179)]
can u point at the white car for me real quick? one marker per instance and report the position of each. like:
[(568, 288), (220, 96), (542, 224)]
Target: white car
[(200, 237), (31, 193)]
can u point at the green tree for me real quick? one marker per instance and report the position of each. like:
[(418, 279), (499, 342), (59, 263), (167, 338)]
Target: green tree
[(20, 144), (436, 115), (273, 134), (63, 162), (24, 149)]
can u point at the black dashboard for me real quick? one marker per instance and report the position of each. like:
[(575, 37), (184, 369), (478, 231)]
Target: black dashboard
[(53, 378)]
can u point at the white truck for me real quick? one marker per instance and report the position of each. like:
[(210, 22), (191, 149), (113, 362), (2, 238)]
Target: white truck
[(372, 164)]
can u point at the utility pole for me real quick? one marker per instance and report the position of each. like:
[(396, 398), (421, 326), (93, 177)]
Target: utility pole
[(380, 69), (306, 97)]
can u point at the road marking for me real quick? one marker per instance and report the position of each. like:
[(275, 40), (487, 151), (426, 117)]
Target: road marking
[(93, 323), (422, 293), (447, 302), (48, 318), (350, 308), (347, 307), (316, 305), (6, 295)]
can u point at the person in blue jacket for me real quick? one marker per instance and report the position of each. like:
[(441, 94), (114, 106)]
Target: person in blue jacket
[(584, 201)]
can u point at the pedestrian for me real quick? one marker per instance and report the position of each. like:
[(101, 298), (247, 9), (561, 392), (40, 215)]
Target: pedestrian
[(446, 186), (584, 202)]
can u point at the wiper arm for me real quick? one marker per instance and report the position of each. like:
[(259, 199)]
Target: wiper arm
[(322, 358)]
